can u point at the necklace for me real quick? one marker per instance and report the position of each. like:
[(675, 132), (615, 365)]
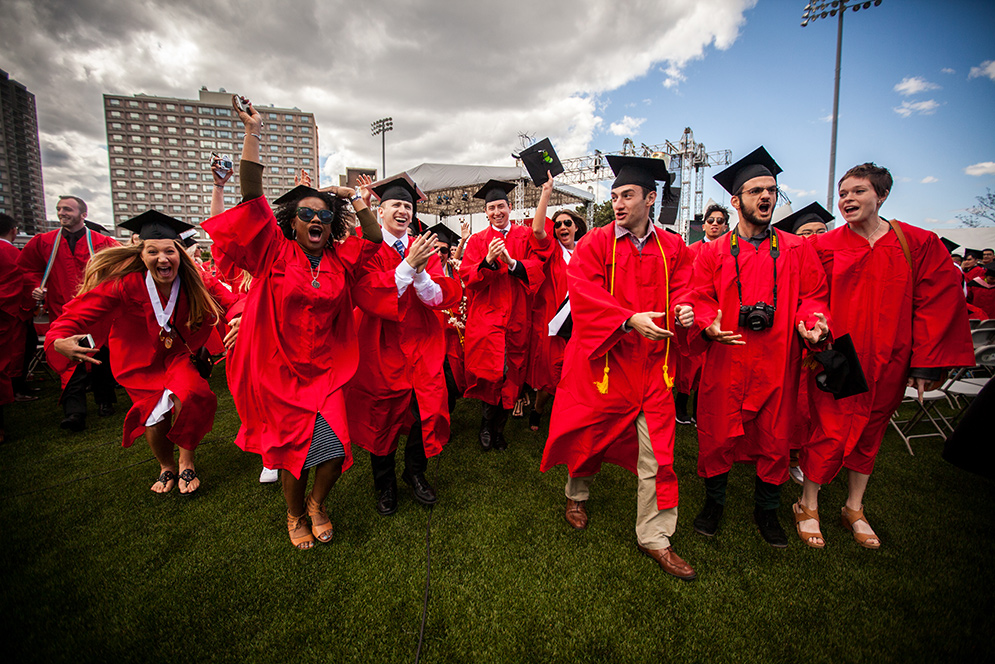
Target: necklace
[(314, 275)]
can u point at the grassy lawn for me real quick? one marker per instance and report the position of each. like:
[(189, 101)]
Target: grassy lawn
[(97, 568)]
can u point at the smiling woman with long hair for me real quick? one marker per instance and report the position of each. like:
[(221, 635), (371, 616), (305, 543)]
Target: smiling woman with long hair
[(297, 344), (155, 309)]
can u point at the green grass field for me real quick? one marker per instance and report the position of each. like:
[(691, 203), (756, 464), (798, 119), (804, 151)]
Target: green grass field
[(96, 568)]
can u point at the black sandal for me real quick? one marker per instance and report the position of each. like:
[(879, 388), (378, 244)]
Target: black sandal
[(188, 476), (166, 477), (535, 420)]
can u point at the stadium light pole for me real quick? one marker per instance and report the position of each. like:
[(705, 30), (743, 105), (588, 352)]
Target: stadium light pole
[(820, 10), (382, 126)]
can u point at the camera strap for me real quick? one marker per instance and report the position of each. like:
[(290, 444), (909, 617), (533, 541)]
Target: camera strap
[(775, 251)]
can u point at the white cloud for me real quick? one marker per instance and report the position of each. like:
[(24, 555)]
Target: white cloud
[(948, 70), (827, 118), (451, 80), (913, 85), (627, 127), (985, 69), (929, 179), (927, 107), (795, 194), (932, 222), (981, 168)]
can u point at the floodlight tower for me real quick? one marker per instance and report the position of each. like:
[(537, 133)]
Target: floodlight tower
[(813, 12), (381, 127)]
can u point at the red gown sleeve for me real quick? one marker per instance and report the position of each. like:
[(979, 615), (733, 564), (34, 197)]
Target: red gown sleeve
[(591, 305), (248, 235), (91, 313)]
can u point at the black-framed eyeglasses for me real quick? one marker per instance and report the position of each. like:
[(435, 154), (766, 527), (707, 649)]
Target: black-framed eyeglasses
[(756, 191), (563, 222), (306, 214)]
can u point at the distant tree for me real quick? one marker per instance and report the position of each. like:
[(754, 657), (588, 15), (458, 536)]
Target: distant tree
[(603, 213), (981, 214)]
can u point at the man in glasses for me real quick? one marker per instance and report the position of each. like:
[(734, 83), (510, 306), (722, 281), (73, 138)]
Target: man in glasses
[(501, 268), (763, 294), (400, 385), (715, 224)]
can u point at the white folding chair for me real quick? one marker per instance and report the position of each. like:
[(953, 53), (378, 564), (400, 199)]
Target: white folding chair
[(925, 411)]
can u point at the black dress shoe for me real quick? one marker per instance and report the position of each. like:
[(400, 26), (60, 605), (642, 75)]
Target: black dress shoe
[(770, 528), (74, 422), (707, 521), (420, 488), (486, 441), (106, 409), (387, 500), (500, 419)]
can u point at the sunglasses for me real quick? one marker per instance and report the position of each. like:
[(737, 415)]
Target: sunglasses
[(444, 250), (565, 222), (306, 214)]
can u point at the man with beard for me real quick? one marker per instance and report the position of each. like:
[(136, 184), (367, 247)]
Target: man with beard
[(400, 384), (762, 294), (54, 263), (501, 268)]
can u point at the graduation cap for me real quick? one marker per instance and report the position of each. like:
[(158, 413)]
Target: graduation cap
[(642, 171), (445, 233), (812, 213), (990, 269), (973, 253), (538, 159), (756, 164), (298, 193), (154, 225), (188, 238), (842, 375), (949, 244), (495, 190), (93, 226)]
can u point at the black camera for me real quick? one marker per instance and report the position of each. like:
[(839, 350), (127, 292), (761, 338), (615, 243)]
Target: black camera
[(758, 317)]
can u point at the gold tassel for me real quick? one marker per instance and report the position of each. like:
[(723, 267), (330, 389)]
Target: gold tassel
[(602, 384), (667, 380)]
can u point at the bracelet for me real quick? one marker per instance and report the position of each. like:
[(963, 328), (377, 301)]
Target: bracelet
[(220, 186), (256, 135), (355, 197)]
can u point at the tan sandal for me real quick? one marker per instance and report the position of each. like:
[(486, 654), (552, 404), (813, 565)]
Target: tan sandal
[(294, 523), (802, 513), (321, 525), (851, 517)]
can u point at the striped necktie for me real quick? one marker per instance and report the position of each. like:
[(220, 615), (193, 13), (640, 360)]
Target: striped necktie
[(400, 247)]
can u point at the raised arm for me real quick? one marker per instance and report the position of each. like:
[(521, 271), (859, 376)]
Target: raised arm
[(250, 168), (539, 220)]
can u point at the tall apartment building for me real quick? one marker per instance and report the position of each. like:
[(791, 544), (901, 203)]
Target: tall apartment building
[(21, 193), (160, 152)]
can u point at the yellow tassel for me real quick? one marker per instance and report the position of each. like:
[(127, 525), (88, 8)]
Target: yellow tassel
[(602, 384), (667, 380)]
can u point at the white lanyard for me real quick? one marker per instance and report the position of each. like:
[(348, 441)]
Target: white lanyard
[(162, 316)]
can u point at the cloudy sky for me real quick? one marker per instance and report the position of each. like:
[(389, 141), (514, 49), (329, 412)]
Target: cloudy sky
[(463, 79)]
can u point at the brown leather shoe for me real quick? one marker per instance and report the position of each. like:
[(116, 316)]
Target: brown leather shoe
[(670, 562), (576, 515)]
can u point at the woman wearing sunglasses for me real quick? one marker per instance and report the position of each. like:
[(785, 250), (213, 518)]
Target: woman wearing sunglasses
[(546, 362), (297, 345)]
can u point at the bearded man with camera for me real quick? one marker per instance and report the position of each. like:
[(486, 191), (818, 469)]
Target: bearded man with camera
[(762, 295)]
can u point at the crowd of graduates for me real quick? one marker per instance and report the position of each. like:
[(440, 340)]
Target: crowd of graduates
[(788, 345)]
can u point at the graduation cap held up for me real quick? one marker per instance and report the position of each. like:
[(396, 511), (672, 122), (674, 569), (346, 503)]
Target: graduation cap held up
[(842, 375), (540, 158)]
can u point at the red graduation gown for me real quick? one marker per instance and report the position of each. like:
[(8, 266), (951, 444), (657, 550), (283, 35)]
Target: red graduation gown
[(689, 364), (982, 295), (67, 271), (297, 345), (16, 305), (404, 347), (497, 324), (118, 313), (546, 352), (898, 318), (747, 394), (588, 428)]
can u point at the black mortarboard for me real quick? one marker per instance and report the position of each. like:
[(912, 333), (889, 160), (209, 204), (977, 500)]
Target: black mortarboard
[(807, 215), (299, 192), (445, 233), (642, 171), (401, 188), (842, 375), (495, 190), (756, 164), (94, 226), (973, 253), (540, 158), (990, 268), (188, 238), (949, 244), (154, 225)]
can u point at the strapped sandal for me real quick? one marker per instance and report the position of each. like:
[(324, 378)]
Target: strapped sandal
[(321, 525), (164, 479), (188, 476), (293, 524), (519, 409), (802, 513), (535, 420), (851, 517)]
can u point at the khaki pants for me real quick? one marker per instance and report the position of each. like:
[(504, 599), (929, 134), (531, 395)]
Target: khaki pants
[(653, 527)]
